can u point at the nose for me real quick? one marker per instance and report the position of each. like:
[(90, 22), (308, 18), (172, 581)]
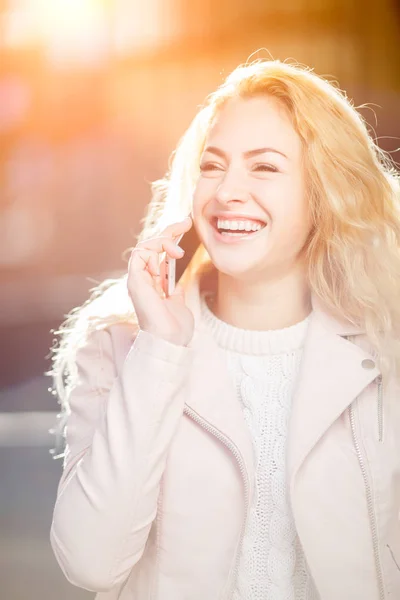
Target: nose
[(231, 188)]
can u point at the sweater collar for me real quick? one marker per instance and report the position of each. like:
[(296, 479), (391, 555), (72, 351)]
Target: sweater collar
[(204, 280), (243, 341)]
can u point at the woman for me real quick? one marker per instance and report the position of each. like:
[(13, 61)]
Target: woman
[(240, 439)]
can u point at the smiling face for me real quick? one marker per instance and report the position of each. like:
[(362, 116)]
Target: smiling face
[(252, 178)]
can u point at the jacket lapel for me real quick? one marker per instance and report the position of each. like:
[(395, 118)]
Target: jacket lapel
[(211, 393), (331, 377)]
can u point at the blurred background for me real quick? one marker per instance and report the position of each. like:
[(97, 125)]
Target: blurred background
[(94, 95)]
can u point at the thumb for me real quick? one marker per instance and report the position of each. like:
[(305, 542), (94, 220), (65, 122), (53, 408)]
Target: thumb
[(179, 292)]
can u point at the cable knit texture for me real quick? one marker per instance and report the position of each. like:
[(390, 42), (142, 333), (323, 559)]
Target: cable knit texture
[(264, 365)]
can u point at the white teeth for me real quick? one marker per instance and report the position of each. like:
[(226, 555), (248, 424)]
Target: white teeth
[(239, 225)]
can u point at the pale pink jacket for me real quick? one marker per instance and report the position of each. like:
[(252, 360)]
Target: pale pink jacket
[(159, 473)]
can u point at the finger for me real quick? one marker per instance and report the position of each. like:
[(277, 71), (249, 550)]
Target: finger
[(148, 259), (143, 259), (158, 286), (161, 244), (178, 294), (179, 290), (163, 275), (153, 265), (179, 228)]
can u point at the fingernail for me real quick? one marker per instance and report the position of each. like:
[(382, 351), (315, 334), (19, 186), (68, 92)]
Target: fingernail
[(181, 250)]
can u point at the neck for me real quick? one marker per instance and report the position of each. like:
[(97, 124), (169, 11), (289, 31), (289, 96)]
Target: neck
[(263, 305)]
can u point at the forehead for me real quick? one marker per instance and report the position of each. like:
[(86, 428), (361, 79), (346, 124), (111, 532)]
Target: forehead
[(257, 122)]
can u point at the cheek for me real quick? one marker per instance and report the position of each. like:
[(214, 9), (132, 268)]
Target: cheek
[(295, 227), (291, 215)]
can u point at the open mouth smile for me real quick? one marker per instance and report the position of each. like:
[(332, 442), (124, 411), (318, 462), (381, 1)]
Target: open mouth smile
[(234, 230)]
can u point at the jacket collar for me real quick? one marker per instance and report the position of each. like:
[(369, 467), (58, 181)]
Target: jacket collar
[(333, 373)]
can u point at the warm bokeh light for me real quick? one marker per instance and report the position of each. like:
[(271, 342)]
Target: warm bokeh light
[(69, 30), (67, 16), (80, 32), (139, 25), (72, 29)]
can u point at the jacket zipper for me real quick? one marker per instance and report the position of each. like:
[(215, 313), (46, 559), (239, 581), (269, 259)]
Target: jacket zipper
[(380, 407), (370, 504), (231, 446)]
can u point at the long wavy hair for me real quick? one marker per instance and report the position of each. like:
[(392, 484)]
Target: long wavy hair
[(353, 189)]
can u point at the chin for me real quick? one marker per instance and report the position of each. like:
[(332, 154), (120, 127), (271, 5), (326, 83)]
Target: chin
[(237, 269)]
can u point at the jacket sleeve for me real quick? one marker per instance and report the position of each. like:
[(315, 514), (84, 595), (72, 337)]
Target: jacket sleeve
[(118, 435)]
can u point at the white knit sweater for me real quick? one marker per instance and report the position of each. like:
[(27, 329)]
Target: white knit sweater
[(264, 365)]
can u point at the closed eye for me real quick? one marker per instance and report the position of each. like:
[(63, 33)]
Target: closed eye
[(265, 167), (260, 167), (210, 166)]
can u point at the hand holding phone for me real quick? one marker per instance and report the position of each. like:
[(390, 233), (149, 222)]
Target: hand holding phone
[(165, 317)]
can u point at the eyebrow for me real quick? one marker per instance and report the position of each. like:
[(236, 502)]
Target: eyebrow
[(247, 154)]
